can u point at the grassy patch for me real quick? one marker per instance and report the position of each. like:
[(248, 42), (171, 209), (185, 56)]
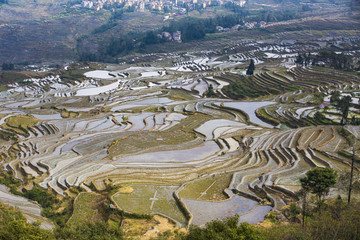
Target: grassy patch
[(261, 113), (20, 123), (213, 36), (337, 71), (11, 77), (24, 121), (347, 135), (3, 87), (139, 201), (146, 140), (214, 187), (284, 73), (178, 95), (68, 114), (86, 208), (158, 140), (74, 75)]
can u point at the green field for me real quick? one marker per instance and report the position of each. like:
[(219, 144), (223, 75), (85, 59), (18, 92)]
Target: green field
[(141, 201), (209, 189), (87, 207)]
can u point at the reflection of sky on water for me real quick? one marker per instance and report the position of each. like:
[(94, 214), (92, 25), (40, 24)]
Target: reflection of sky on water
[(208, 128), (257, 215), (249, 108), (205, 211), (48, 116), (192, 154), (148, 102)]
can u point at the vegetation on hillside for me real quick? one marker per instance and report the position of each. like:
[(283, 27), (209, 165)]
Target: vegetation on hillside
[(331, 59), (333, 220), (14, 226), (337, 220), (20, 124), (191, 29)]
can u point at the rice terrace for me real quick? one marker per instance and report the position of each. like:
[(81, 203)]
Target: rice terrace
[(162, 140)]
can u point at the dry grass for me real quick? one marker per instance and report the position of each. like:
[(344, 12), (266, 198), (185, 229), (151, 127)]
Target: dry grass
[(147, 229), (126, 189)]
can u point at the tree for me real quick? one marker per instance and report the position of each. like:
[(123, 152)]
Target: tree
[(343, 106), (7, 66), (303, 194), (225, 229), (251, 68), (151, 38), (299, 60), (319, 181), (352, 171), (306, 8), (335, 97), (294, 211), (307, 59), (210, 92), (90, 230)]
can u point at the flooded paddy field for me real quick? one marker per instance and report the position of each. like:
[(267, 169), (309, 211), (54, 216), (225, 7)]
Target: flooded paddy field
[(219, 210), (171, 132)]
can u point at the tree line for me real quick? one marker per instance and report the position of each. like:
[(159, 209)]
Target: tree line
[(191, 29), (7, 66), (329, 58), (274, 16)]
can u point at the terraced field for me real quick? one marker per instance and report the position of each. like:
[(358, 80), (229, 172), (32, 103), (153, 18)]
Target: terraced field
[(298, 80), (181, 152)]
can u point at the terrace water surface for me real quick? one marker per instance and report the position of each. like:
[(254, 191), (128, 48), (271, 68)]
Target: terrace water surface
[(208, 128), (97, 90), (48, 116), (147, 102), (249, 108), (206, 211), (101, 74), (185, 155)]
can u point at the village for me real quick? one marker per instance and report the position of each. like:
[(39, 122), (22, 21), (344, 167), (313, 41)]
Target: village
[(181, 7)]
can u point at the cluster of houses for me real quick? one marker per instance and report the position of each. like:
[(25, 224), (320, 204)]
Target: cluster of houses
[(247, 25), (176, 36), (180, 6), (222, 29), (252, 25), (98, 4)]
